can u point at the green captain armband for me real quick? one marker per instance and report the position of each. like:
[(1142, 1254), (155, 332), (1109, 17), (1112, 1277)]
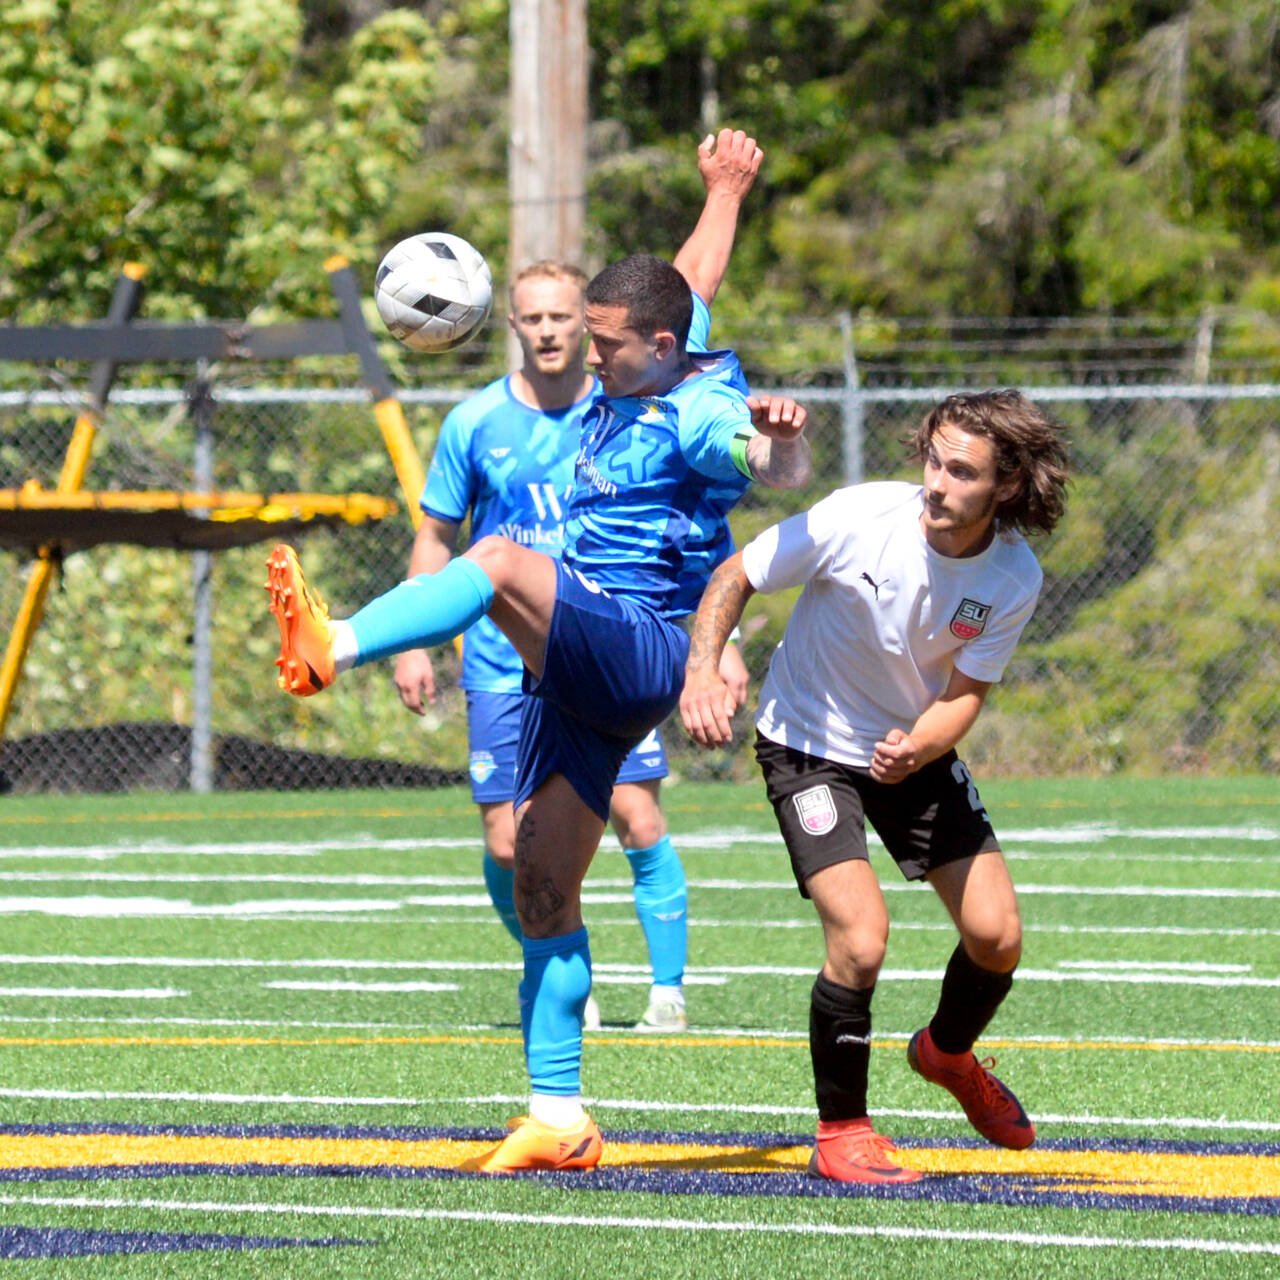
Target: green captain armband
[(738, 449)]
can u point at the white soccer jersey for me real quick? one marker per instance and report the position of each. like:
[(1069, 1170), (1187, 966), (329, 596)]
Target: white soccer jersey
[(882, 619)]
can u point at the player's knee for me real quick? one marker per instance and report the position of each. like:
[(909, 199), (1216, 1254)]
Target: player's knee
[(639, 830), (997, 946), (500, 838), (855, 958), (493, 555), (636, 816), (504, 856)]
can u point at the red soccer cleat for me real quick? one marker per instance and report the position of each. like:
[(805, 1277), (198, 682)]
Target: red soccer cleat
[(852, 1151), (990, 1104)]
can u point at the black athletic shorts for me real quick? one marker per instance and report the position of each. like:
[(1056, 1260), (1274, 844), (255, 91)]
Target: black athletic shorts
[(932, 817)]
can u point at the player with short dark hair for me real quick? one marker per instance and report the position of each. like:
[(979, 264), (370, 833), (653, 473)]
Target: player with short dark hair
[(914, 598), (655, 294), (665, 453), (504, 457)]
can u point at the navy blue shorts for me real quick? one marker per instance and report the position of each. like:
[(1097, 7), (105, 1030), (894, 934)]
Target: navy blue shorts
[(613, 672), (493, 730)]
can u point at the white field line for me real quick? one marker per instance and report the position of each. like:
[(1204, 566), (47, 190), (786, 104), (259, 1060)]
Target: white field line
[(272, 1024), (1086, 835), (344, 879), (225, 848), (370, 880), (624, 1222), (92, 993), (106, 908), (766, 1109), (215, 1099), (1070, 852), (1136, 973), (703, 922), (1081, 857), (392, 911), (1023, 890), (244, 962), (622, 1105), (385, 988), (1182, 966), (764, 1034), (942, 926)]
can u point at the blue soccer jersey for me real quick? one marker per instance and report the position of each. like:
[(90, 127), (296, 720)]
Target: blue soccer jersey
[(656, 479), (511, 467)]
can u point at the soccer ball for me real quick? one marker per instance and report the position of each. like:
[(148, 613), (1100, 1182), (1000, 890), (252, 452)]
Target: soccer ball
[(433, 291)]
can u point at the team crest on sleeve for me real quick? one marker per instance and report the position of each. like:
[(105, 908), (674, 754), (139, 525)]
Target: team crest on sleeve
[(970, 619), (816, 809)]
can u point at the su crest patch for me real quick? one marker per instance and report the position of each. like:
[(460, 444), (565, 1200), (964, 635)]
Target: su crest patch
[(816, 809), (970, 619)]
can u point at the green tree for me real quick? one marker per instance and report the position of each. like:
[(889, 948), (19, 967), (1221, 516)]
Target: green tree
[(180, 133)]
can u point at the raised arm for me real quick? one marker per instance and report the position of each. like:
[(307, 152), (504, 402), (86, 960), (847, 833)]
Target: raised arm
[(779, 455), (728, 162), (707, 704)]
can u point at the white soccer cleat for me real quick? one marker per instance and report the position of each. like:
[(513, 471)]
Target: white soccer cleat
[(664, 1017)]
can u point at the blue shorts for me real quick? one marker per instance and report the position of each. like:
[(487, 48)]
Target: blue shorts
[(613, 672), (493, 729)]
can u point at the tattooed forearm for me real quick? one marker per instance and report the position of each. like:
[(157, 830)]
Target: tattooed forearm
[(780, 464), (719, 612)]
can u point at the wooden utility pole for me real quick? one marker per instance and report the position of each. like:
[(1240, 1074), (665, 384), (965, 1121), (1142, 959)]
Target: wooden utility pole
[(548, 155)]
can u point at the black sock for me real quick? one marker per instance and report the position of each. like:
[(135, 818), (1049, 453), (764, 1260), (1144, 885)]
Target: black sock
[(840, 1046), (969, 1000)]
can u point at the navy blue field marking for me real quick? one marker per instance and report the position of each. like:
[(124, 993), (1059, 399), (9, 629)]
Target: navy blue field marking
[(70, 1242), (681, 1169)]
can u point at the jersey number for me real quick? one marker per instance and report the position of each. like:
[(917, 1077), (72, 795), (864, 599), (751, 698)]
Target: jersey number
[(965, 779)]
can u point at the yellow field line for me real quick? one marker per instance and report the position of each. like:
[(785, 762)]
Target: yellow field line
[(647, 1041), (1191, 1174)]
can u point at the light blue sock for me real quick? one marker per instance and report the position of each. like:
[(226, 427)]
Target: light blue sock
[(557, 981), (500, 881), (428, 609), (662, 905)]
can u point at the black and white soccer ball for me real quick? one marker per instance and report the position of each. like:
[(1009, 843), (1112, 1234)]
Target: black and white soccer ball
[(433, 291)]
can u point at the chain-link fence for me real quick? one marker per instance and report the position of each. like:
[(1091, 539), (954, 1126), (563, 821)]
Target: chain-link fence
[(1155, 648)]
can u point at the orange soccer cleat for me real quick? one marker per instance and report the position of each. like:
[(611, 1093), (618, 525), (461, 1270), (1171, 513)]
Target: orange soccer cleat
[(534, 1145), (852, 1151), (306, 634), (989, 1103)]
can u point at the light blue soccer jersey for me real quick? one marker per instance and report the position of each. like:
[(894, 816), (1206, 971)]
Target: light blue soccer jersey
[(656, 479), (511, 467)]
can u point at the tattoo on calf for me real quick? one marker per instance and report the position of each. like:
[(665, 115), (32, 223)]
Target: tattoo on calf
[(536, 900)]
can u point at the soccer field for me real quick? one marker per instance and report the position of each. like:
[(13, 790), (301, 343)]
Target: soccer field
[(253, 1035)]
